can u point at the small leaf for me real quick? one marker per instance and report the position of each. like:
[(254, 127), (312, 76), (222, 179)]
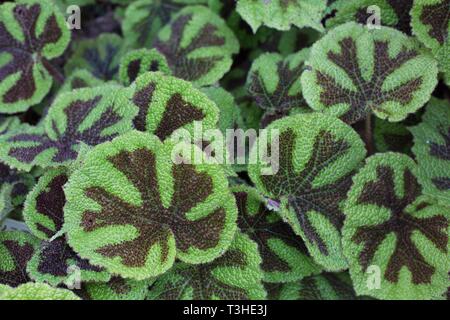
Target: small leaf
[(317, 156), (31, 34), (8, 123), (37, 291), (432, 150), (284, 254), (131, 210), (393, 234), (90, 116), (16, 249), (117, 289), (282, 14), (198, 45), (353, 71), (79, 79), (138, 62), (391, 136), (236, 275)]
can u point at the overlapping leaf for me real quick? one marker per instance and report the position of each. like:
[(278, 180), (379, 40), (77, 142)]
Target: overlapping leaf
[(393, 232), (86, 116), (31, 34), (198, 45), (37, 291), (284, 254), (79, 79), (317, 156), (391, 136), (236, 275), (132, 210), (117, 289), (355, 71), (432, 150), (282, 14)]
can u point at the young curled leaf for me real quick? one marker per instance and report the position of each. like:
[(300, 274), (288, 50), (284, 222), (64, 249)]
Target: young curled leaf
[(311, 169), (167, 103), (132, 210), (395, 239), (236, 275), (284, 254), (354, 71), (32, 33), (198, 45), (138, 62), (16, 249), (37, 291), (86, 116), (117, 289), (282, 14), (432, 150)]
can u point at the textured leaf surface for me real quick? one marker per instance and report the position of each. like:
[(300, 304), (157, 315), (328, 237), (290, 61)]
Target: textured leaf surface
[(236, 275), (100, 56), (393, 13), (118, 289), (38, 291), (284, 254), (86, 116), (391, 136), (390, 225), (198, 45), (131, 210), (431, 25), (31, 34), (166, 104), (16, 249), (138, 62), (79, 79), (8, 123), (355, 71), (317, 157), (432, 150), (282, 14)]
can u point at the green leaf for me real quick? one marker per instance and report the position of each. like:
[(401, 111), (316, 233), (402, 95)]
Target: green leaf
[(100, 56), (138, 62), (353, 71), (167, 103), (198, 45), (16, 249), (32, 33), (236, 275), (284, 254), (432, 150), (37, 291), (394, 234), (117, 289), (431, 25), (317, 156), (78, 79), (391, 136), (85, 116), (393, 13), (282, 14), (132, 211), (8, 123)]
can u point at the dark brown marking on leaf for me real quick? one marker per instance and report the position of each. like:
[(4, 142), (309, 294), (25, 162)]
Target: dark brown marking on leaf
[(441, 151), (142, 99), (369, 94), (154, 222), (437, 16), (133, 69), (261, 229), (20, 254), (442, 184), (50, 203), (177, 113), (302, 195), (119, 285), (102, 67), (78, 83), (381, 193)]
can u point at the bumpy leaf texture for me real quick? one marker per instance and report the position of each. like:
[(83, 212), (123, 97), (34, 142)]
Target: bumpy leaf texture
[(78, 79), (132, 210), (31, 34), (236, 275), (167, 103), (100, 56), (116, 289), (392, 231), (431, 25), (284, 254), (16, 249), (392, 13), (282, 14), (86, 116), (318, 155), (37, 291), (138, 62), (354, 71), (198, 45), (432, 150), (391, 136), (14, 185)]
